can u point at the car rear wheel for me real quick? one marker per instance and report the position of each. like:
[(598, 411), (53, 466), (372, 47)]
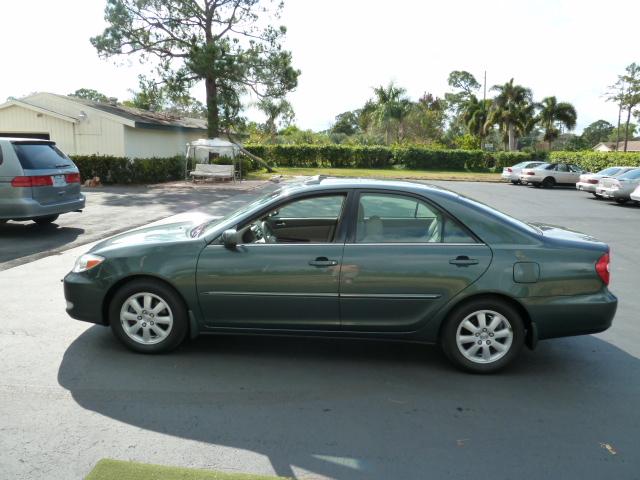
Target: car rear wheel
[(548, 182), (148, 317), (46, 220), (622, 200), (516, 182), (483, 336)]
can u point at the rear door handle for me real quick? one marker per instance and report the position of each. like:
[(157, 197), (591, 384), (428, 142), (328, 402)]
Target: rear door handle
[(280, 223), (322, 262), (463, 261)]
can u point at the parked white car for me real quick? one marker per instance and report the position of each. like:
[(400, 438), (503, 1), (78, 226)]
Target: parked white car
[(635, 195), (619, 188), (589, 181), (512, 174), (551, 174)]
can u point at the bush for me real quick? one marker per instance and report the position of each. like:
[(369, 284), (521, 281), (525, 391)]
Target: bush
[(126, 171), (595, 161), (411, 157)]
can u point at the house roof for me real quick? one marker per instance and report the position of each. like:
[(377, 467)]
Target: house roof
[(133, 117), (632, 146)]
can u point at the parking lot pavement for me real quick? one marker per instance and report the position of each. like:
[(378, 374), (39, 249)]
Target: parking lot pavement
[(70, 395), (110, 210)]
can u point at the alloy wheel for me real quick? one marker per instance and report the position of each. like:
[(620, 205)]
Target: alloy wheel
[(484, 336), (146, 318)]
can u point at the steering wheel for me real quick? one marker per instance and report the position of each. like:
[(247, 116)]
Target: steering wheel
[(267, 233), (433, 233)]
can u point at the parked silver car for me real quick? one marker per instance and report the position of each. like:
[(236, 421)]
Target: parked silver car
[(551, 174), (635, 195), (589, 181), (512, 174), (619, 188), (37, 181)]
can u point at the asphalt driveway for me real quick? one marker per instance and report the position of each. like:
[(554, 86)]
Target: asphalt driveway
[(311, 408), (110, 210)]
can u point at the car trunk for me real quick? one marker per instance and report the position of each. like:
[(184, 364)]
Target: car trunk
[(57, 180), (553, 233)]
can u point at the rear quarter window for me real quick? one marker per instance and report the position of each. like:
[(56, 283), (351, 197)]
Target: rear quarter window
[(40, 156)]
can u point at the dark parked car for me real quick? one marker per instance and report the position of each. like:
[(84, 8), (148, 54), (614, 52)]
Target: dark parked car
[(349, 258), (37, 181)]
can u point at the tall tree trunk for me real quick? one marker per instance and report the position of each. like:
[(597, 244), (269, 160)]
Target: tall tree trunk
[(512, 137), (618, 132), (626, 128), (213, 117)]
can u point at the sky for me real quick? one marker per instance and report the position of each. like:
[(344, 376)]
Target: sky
[(567, 48)]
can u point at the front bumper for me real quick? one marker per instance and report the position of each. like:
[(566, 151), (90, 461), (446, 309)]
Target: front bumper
[(85, 297), (27, 208), (565, 316)]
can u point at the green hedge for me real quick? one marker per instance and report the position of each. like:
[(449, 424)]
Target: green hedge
[(411, 157), (125, 170), (595, 161)]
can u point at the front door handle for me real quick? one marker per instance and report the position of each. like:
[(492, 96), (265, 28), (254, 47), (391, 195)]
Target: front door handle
[(463, 261), (322, 262)]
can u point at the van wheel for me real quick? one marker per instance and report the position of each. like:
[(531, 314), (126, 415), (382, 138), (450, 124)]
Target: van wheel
[(45, 220), (148, 317), (483, 336)]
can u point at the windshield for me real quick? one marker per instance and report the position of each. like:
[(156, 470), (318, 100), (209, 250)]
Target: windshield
[(609, 171), (40, 156), (631, 175), (203, 227)]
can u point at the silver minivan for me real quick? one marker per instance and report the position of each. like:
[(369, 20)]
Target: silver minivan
[(37, 181)]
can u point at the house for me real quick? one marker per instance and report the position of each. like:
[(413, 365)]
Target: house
[(632, 146), (84, 127)]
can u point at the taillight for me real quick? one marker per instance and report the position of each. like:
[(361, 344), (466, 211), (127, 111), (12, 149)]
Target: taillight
[(530, 173), (35, 181), (593, 181), (72, 177), (509, 170), (602, 268)]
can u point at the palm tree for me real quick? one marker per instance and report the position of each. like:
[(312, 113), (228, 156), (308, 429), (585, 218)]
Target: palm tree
[(275, 109), (554, 114), (475, 115), (511, 110), (391, 108)]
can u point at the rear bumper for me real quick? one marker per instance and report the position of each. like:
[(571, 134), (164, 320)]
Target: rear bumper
[(510, 177), (566, 316), (84, 297), (586, 187), (25, 208)]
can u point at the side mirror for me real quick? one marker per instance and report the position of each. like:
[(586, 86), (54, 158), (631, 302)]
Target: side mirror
[(230, 238)]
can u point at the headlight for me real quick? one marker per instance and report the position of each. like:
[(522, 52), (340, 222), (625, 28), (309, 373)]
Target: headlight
[(87, 262)]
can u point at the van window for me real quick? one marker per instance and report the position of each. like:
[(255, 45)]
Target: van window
[(36, 156)]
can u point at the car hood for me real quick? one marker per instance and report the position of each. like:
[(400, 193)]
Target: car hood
[(175, 229), (562, 235)]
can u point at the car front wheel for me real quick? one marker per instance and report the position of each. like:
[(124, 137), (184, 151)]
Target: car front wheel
[(548, 182), (483, 336), (148, 317)]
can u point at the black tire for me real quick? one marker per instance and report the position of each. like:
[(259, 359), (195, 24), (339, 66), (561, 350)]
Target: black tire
[(622, 201), (598, 197), (168, 295), (459, 314), (46, 220), (548, 182), (537, 185), (516, 182)]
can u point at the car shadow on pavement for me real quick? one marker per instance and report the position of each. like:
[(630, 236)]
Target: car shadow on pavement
[(374, 410), (30, 237)]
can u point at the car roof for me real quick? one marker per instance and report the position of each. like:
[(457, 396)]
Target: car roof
[(23, 139)]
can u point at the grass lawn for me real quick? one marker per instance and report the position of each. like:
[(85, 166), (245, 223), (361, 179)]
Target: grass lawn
[(381, 173), (107, 469)]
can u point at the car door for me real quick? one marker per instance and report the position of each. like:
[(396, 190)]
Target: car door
[(288, 282), (403, 261), (563, 174)]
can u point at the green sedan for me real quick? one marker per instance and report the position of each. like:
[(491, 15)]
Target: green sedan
[(350, 258)]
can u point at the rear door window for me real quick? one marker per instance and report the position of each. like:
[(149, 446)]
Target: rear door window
[(40, 156)]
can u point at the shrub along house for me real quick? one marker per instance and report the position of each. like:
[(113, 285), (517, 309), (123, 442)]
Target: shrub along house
[(84, 127)]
